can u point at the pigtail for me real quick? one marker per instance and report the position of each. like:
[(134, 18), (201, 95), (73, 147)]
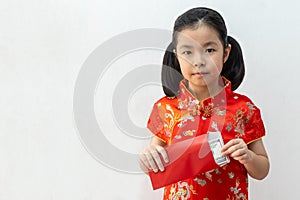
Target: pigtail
[(234, 68), (171, 73)]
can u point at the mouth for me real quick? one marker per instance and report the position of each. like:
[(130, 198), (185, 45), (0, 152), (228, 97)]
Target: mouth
[(200, 73)]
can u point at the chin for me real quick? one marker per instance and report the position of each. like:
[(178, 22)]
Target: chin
[(199, 83)]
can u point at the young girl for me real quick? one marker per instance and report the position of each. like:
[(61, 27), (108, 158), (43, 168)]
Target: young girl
[(201, 68)]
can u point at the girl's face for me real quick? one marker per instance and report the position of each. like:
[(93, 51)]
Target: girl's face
[(201, 56)]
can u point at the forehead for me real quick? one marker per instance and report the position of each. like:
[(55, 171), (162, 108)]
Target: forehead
[(200, 36)]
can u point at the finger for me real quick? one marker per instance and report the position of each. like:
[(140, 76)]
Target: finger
[(143, 161), (226, 146), (157, 160), (144, 167), (238, 153), (231, 149), (151, 162), (229, 144), (242, 159), (233, 145), (163, 153)]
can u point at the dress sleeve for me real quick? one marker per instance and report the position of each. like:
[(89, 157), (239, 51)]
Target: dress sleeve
[(254, 128), (156, 122)]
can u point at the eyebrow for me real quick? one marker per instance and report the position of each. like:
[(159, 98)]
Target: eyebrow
[(185, 46), (210, 43), (205, 45)]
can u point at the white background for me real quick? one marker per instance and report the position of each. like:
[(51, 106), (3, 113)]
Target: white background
[(43, 45)]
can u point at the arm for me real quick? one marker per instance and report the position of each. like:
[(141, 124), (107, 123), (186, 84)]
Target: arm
[(150, 156), (253, 156), (259, 165)]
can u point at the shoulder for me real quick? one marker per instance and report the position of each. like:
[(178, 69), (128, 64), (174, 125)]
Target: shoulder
[(249, 124), (243, 107), (166, 108), (241, 100), (166, 101), (162, 118)]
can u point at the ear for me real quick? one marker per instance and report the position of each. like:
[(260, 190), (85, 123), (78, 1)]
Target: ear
[(174, 51), (226, 52)]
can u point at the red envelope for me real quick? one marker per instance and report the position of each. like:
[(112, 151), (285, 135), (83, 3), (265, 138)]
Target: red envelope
[(186, 159)]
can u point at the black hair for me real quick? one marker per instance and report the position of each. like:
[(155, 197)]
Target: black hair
[(233, 68)]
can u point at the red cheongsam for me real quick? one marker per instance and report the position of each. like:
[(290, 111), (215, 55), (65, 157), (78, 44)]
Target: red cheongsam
[(234, 115)]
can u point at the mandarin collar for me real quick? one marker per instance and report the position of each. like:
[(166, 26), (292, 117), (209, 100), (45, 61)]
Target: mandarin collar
[(188, 101)]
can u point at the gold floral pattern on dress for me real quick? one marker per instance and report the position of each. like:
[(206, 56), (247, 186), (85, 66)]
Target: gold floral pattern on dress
[(229, 126), (231, 175), (236, 192), (201, 182), (207, 110), (190, 105), (177, 119), (241, 119), (220, 112), (178, 137), (184, 119), (189, 132), (169, 116), (181, 191), (217, 171)]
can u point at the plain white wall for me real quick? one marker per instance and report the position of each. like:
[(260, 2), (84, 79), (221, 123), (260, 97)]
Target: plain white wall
[(43, 45)]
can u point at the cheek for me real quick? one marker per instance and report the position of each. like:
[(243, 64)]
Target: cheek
[(216, 64), (184, 61), (184, 71), (185, 66)]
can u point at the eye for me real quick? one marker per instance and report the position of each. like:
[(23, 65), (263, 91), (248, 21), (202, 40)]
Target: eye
[(210, 50), (186, 52)]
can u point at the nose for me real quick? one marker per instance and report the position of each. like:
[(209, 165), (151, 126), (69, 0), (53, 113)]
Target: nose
[(199, 60)]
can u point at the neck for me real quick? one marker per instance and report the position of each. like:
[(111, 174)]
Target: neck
[(204, 92)]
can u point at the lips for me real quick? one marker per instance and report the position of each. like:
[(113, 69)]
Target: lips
[(200, 73)]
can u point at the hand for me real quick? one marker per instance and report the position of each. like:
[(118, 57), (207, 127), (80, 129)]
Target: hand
[(150, 158), (238, 150)]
